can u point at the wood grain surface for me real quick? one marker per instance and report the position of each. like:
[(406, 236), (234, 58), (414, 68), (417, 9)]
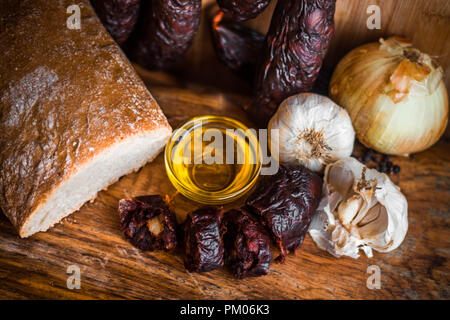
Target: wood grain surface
[(111, 268)]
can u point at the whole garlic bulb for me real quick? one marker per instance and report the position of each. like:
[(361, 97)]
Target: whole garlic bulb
[(394, 95), (313, 131), (361, 209)]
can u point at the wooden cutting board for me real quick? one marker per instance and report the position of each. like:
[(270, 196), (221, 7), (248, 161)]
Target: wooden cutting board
[(111, 268)]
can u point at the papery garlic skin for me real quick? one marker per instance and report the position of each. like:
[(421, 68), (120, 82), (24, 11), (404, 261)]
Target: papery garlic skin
[(313, 131), (381, 222), (394, 95)]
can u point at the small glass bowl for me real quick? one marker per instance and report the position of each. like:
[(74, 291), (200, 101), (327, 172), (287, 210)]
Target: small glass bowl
[(240, 183)]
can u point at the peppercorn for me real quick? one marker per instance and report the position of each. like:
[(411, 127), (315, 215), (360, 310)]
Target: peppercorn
[(396, 169), (368, 156)]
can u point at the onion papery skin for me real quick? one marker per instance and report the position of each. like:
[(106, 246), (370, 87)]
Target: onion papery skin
[(361, 83)]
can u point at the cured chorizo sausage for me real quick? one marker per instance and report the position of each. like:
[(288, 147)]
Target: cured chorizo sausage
[(165, 31), (295, 46)]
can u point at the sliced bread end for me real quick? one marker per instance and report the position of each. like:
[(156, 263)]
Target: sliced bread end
[(95, 175)]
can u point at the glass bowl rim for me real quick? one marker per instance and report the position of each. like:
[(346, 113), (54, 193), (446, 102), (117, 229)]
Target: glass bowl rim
[(210, 197)]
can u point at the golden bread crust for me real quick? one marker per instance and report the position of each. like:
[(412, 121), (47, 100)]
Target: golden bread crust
[(65, 96)]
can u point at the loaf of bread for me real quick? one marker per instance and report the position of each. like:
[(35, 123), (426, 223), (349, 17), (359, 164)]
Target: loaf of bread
[(74, 115)]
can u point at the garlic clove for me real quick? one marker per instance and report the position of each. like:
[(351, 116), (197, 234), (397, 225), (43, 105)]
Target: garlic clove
[(334, 200), (367, 201), (371, 215), (340, 179), (348, 209), (377, 226)]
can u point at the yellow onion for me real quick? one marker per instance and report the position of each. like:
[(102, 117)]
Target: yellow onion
[(394, 94)]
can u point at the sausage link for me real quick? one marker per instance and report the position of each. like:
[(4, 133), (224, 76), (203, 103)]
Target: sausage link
[(295, 46)]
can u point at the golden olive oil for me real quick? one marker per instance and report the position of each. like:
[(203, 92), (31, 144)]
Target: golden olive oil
[(213, 159)]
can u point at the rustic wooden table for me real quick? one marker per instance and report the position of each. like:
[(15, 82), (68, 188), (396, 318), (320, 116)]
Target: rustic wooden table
[(111, 268)]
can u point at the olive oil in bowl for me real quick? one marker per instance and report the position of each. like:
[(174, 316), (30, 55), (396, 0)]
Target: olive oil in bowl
[(213, 159)]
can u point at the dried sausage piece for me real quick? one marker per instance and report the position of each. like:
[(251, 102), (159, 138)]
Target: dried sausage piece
[(148, 223), (241, 10), (247, 245), (118, 16), (298, 38), (203, 239), (165, 32), (236, 46), (285, 203)]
